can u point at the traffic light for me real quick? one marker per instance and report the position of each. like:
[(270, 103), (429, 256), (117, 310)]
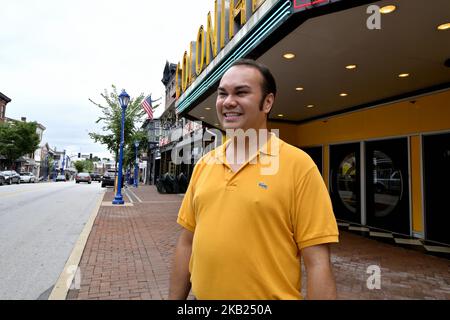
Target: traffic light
[(90, 156), (79, 155)]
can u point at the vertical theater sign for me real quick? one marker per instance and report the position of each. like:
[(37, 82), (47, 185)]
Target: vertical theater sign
[(229, 17)]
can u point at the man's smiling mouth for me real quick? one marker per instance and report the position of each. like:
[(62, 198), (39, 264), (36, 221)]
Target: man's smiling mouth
[(232, 115)]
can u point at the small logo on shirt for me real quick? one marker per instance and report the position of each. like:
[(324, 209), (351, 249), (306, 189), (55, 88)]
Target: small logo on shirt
[(263, 185)]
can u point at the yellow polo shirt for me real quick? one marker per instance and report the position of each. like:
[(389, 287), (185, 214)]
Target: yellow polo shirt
[(249, 227)]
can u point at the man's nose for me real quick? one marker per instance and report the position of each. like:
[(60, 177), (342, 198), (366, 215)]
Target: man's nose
[(230, 101)]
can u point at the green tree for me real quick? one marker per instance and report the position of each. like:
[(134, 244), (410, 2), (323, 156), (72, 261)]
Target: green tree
[(17, 139), (84, 166), (88, 166), (112, 120), (79, 165)]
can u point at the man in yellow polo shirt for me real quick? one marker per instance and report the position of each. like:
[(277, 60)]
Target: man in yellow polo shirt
[(254, 207)]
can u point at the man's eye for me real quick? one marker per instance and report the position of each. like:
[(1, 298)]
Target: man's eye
[(241, 93), (221, 94)]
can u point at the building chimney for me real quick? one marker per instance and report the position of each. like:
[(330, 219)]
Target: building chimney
[(23, 119)]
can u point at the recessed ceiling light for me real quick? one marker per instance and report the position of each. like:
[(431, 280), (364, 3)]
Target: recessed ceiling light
[(403, 75), (289, 55), (343, 94), (216, 124), (299, 89), (208, 108), (310, 106), (281, 115), (388, 9), (202, 118), (351, 66), (444, 26)]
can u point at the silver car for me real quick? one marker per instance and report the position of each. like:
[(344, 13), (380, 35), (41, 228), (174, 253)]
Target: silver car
[(27, 177), (10, 177)]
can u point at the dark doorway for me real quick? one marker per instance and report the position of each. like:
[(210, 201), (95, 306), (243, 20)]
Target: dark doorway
[(387, 185), (157, 170), (436, 166)]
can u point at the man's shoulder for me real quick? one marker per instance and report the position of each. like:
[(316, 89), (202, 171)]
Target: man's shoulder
[(295, 155)]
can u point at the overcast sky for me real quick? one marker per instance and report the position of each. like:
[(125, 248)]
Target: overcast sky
[(56, 54)]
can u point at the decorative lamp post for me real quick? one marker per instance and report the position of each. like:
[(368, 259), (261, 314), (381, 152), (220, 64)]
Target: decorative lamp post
[(124, 99), (136, 163)]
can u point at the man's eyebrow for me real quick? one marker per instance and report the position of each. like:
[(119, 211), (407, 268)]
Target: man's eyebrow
[(242, 87), (235, 88)]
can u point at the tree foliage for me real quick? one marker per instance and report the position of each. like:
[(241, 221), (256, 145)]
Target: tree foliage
[(112, 121), (79, 165), (88, 166), (18, 139), (84, 166)]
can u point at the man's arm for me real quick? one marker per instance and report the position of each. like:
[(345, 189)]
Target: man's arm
[(320, 280), (180, 283)]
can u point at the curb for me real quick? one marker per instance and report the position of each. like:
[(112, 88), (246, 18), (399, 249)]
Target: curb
[(64, 282)]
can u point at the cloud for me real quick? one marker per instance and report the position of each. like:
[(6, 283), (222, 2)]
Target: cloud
[(57, 54)]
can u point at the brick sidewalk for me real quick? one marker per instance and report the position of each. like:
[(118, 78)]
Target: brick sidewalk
[(129, 253)]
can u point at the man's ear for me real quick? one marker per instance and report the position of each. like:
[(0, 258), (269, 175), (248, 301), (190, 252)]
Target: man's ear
[(268, 103)]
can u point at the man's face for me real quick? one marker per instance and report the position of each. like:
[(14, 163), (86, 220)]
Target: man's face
[(240, 99)]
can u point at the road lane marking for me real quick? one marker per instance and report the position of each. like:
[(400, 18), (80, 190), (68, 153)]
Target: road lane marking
[(62, 286)]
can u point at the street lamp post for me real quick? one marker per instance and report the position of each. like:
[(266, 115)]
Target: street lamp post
[(136, 168), (124, 99)]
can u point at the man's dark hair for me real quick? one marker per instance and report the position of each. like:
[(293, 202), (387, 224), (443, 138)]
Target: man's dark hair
[(268, 85)]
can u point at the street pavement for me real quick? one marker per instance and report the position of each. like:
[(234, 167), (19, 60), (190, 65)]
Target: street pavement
[(39, 225), (129, 253)]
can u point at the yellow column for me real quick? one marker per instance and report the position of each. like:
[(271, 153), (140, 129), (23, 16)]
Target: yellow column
[(416, 185)]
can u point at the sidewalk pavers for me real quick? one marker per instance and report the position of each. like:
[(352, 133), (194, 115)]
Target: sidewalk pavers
[(129, 253)]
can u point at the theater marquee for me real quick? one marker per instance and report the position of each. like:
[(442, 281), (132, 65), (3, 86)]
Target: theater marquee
[(229, 17)]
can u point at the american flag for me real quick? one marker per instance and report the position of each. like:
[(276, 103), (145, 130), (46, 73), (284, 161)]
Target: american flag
[(147, 105)]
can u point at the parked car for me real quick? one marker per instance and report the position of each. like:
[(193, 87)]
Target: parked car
[(10, 176), (96, 177), (27, 177), (83, 177), (2, 180), (109, 177), (61, 177)]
